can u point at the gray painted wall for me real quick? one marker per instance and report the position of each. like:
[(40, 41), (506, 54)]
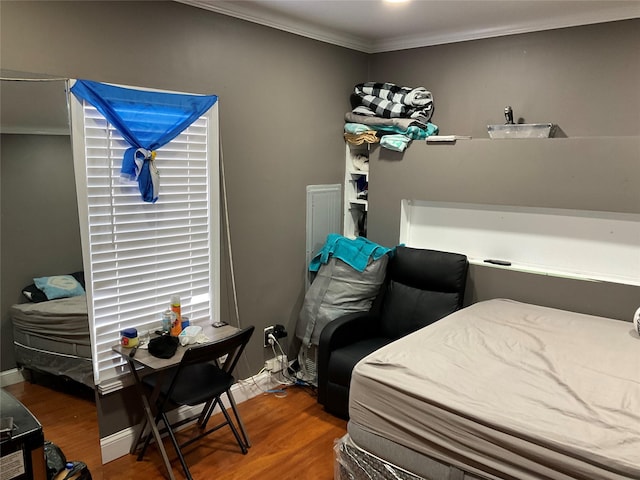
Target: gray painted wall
[(585, 80), (572, 173), (282, 101)]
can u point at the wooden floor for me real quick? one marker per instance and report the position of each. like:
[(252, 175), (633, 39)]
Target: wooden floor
[(292, 438)]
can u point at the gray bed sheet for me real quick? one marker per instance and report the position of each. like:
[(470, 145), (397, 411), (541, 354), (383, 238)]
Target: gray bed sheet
[(507, 390), (54, 337)]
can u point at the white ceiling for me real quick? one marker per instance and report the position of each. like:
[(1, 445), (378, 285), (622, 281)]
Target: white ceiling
[(376, 26)]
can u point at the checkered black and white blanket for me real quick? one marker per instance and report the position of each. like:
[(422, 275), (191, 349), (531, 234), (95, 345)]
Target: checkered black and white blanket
[(388, 100)]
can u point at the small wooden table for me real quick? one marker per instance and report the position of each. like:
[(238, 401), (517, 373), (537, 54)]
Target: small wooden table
[(153, 364)]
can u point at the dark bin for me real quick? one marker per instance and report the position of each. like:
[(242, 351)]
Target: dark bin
[(21, 443)]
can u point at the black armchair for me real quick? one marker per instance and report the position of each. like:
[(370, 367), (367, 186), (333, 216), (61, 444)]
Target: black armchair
[(421, 287)]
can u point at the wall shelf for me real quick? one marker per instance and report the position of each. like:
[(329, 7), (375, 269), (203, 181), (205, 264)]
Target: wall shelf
[(364, 203), (576, 244), (355, 209)]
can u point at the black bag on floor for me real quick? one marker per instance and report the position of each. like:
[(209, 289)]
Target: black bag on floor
[(58, 468), (56, 461)]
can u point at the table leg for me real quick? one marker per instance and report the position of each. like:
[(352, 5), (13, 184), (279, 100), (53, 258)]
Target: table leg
[(136, 442), (150, 420)]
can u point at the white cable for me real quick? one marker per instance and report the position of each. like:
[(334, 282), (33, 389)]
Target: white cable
[(283, 368), (252, 379), (225, 209)]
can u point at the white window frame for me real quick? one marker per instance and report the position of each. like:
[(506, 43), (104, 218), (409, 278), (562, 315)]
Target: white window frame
[(115, 376)]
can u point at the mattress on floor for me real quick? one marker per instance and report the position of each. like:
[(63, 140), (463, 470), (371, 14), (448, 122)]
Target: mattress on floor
[(507, 390), (53, 337)]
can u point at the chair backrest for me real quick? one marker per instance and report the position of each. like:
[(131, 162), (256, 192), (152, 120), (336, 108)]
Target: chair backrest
[(226, 351), (422, 286)]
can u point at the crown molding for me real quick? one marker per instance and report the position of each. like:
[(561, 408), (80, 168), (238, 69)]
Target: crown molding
[(237, 10), (273, 20), (416, 41)]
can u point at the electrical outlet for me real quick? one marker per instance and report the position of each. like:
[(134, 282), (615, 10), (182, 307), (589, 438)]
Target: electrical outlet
[(267, 331)]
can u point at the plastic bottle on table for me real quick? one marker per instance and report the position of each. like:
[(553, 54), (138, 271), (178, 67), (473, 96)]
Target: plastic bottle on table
[(176, 327), (168, 317)]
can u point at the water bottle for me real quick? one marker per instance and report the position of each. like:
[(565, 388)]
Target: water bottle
[(168, 317)]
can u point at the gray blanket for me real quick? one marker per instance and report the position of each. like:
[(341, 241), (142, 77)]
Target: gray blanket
[(402, 123), (65, 317)]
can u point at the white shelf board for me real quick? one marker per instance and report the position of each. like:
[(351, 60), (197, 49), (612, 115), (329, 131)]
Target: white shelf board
[(539, 270), (356, 201), (584, 245), (359, 173)]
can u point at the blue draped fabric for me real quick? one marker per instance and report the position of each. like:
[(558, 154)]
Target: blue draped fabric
[(129, 111)]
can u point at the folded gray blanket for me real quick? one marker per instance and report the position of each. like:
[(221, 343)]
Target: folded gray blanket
[(402, 123)]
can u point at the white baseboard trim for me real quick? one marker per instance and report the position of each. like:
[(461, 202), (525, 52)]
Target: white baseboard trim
[(10, 377), (118, 444)]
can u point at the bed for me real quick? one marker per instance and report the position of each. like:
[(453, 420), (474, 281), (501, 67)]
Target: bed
[(53, 337), (498, 390)]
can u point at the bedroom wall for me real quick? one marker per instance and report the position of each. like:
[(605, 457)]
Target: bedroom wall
[(585, 80), (282, 101), (40, 229)]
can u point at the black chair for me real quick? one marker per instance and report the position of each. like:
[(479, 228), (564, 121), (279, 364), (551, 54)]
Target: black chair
[(203, 375), (420, 287)]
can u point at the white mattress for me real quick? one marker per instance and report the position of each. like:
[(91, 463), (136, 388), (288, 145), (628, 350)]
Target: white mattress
[(509, 390)]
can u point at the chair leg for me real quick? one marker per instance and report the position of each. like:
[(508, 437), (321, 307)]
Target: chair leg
[(205, 413), (176, 445), (218, 401), (241, 444), (237, 415)]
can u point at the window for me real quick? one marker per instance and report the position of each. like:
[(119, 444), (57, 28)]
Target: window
[(136, 254)]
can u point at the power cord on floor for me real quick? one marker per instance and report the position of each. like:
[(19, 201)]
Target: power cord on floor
[(284, 382), (252, 380)]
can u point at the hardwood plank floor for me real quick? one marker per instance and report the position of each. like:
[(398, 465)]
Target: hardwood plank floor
[(292, 438)]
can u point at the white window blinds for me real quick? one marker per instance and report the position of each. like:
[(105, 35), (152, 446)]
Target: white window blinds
[(136, 254)]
